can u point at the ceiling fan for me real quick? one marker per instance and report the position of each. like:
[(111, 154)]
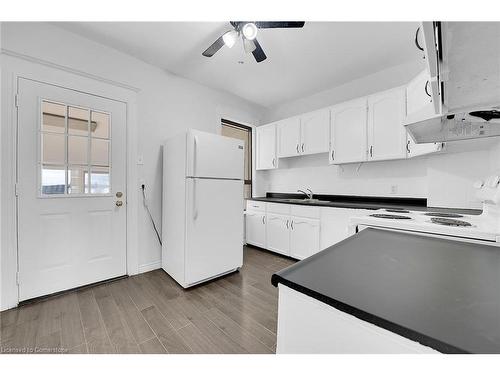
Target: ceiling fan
[(248, 32)]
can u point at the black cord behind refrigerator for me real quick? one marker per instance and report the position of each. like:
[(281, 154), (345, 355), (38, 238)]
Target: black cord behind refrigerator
[(145, 202)]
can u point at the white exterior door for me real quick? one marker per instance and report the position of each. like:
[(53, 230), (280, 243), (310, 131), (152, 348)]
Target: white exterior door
[(71, 189), (315, 132), (214, 227), (348, 132), (289, 137)]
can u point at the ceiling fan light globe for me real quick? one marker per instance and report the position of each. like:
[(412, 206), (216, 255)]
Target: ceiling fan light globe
[(249, 31), (230, 37)]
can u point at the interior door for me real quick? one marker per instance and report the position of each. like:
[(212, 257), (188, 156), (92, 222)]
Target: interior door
[(71, 189), (315, 132), (289, 137), (349, 132), (214, 230), (278, 233), (386, 133)]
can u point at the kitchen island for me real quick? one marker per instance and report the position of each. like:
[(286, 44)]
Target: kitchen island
[(382, 291)]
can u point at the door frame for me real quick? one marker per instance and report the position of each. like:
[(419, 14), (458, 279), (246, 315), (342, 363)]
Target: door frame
[(15, 68)]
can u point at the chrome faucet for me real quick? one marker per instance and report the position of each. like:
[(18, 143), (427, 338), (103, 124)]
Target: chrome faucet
[(309, 195)]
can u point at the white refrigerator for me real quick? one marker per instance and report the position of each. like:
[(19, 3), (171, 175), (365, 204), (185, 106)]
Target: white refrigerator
[(202, 219)]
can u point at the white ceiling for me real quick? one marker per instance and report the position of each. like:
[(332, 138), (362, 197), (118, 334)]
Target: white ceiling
[(300, 62)]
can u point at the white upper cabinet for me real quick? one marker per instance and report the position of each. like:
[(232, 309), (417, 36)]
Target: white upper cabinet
[(386, 133), (348, 132), (419, 105), (289, 142), (304, 135), (314, 132), (266, 147)]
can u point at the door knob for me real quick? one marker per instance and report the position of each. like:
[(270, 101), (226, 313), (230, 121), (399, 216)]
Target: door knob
[(119, 194), (119, 203)]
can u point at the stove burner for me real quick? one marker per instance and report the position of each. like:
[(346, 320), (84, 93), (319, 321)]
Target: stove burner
[(386, 216), (398, 210), (442, 214), (450, 222)]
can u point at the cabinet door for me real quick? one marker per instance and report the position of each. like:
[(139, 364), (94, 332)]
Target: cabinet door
[(256, 228), (315, 132), (304, 237), (266, 147), (289, 137), (386, 133), (278, 234), (348, 132), (419, 106)]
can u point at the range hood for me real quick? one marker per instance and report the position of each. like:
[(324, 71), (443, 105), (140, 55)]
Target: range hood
[(465, 73), (480, 123)]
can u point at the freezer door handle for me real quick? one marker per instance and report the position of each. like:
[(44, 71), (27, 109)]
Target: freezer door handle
[(195, 152)]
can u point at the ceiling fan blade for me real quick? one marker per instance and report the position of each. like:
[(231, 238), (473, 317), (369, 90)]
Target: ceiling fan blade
[(258, 53), (217, 45), (279, 24), (249, 45)]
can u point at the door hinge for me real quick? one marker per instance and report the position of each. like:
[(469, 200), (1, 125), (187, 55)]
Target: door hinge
[(17, 278), (16, 100)]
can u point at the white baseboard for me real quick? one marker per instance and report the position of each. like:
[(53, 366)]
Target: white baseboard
[(150, 266)]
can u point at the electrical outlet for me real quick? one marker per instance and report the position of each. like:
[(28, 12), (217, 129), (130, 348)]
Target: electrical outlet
[(394, 189)]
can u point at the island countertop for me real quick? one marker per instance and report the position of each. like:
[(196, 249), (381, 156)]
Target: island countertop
[(441, 293)]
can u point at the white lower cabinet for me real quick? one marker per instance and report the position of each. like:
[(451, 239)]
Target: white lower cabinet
[(278, 233), (304, 237), (256, 228)]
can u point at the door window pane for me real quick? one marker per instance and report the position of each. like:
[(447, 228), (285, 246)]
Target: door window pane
[(100, 152), (53, 180), (99, 125), (99, 180), (78, 121), (53, 148), (53, 117), (78, 150), (78, 179)]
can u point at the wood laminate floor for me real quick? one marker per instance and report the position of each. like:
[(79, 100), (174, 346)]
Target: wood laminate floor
[(150, 313)]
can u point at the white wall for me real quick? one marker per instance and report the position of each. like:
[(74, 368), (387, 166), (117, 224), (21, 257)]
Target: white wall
[(167, 104), (445, 179)]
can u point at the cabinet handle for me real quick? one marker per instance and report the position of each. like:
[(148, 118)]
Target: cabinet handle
[(416, 40), (408, 146), (287, 224), (263, 219), (425, 88), (297, 148), (274, 162), (371, 151), (291, 224), (302, 147), (333, 154)]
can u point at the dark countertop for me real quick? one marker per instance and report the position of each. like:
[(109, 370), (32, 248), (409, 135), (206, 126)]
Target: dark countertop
[(441, 293), (363, 202)]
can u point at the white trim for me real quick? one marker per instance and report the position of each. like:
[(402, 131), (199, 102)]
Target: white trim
[(16, 66), (150, 266)]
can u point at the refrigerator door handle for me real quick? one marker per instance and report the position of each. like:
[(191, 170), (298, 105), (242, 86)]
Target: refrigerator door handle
[(195, 154), (195, 210)]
